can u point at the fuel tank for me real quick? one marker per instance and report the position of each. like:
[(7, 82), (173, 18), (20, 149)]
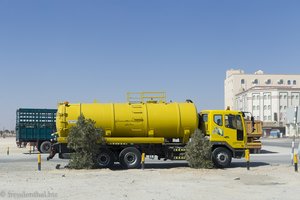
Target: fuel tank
[(132, 121)]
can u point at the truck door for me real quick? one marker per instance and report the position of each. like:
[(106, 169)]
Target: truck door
[(234, 131), (217, 127)]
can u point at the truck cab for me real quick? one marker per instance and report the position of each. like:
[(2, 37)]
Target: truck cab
[(227, 132)]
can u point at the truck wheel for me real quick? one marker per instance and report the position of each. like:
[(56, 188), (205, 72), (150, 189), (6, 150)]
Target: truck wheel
[(105, 159), (221, 157), (130, 158), (45, 147)]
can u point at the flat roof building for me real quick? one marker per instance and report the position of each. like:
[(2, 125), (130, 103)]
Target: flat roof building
[(266, 96)]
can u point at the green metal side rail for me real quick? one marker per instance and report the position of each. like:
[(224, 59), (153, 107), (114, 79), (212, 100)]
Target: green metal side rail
[(35, 124)]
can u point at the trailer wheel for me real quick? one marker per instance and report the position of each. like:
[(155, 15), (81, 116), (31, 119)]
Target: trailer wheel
[(221, 157), (105, 158), (45, 147), (130, 158)]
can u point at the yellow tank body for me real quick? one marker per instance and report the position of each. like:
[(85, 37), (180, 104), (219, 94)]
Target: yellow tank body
[(132, 122)]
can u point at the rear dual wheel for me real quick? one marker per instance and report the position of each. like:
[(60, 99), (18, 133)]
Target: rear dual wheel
[(130, 158), (105, 158)]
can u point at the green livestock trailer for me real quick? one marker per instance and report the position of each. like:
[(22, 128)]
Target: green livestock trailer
[(35, 126)]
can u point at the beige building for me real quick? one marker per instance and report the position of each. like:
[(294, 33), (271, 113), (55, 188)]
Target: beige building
[(266, 96)]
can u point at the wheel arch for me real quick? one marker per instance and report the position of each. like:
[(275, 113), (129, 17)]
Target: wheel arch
[(224, 145)]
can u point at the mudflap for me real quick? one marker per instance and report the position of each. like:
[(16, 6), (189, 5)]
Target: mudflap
[(61, 149), (52, 153), (55, 148)]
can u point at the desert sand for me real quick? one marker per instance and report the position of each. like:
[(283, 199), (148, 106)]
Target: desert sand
[(20, 179)]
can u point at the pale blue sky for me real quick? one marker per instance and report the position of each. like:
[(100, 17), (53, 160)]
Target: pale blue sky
[(53, 51)]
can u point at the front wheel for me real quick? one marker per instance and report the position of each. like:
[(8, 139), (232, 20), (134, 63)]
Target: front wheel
[(221, 157), (130, 158)]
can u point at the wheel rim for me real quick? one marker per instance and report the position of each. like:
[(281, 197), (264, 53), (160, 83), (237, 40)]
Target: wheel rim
[(130, 158), (222, 157), (46, 147), (103, 159)]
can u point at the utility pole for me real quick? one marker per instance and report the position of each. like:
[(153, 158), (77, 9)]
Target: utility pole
[(296, 132)]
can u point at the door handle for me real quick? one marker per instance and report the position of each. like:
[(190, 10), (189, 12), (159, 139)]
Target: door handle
[(226, 137)]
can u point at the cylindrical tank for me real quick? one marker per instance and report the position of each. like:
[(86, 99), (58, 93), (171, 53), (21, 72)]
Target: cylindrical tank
[(155, 120)]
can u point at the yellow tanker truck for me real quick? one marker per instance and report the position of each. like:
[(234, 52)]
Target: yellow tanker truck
[(148, 124)]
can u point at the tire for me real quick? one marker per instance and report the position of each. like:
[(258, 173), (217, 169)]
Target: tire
[(130, 158), (105, 159), (45, 147), (221, 157)]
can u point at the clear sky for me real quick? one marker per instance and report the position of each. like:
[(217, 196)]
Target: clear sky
[(52, 51)]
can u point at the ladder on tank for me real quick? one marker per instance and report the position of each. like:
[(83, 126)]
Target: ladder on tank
[(146, 97)]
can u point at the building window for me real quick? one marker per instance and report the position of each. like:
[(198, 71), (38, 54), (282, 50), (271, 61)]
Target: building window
[(280, 96), (280, 107), (280, 81), (254, 107), (269, 117), (265, 96), (265, 118), (255, 97), (284, 107), (296, 96), (265, 107), (269, 96), (268, 81), (294, 82), (284, 96), (269, 107), (255, 81), (289, 82), (242, 81), (275, 117)]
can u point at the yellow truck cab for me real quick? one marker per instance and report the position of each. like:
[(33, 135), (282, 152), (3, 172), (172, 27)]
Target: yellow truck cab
[(227, 132)]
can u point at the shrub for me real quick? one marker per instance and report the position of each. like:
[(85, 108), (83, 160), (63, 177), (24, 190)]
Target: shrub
[(84, 140), (198, 151)]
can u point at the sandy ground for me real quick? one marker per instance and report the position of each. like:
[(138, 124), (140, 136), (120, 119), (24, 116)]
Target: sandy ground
[(19, 179)]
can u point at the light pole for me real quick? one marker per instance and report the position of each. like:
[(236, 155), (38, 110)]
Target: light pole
[(296, 132)]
